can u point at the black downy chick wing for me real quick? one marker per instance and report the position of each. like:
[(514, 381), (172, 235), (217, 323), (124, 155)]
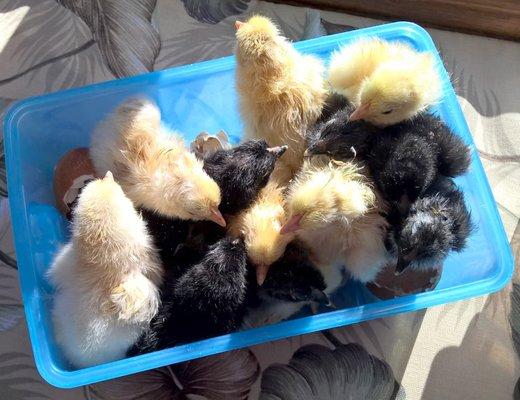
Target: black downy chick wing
[(402, 166), (241, 172), (453, 155), (437, 223), (207, 300), (168, 234)]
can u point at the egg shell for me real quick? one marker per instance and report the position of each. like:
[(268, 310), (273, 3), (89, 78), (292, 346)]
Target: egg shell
[(73, 165), (411, 281)]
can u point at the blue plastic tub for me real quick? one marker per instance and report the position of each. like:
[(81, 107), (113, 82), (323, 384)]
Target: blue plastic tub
[(40, 130)]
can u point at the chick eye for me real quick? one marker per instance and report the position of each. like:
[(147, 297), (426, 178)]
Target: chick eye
[(387, 112)]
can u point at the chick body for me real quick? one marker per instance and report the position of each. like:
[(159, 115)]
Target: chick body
[(437, 223), (281, 92), (336, 214), (152, 165), (387, 81), (106, 278), (207, 300)]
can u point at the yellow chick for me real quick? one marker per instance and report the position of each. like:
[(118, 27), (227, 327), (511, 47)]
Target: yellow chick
[(281, 92), (152, 165), (260, 227), (388, 82), (333, 210)]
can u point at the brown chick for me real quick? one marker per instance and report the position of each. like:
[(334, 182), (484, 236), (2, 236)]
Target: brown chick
[(152, 165), (334, 211), (388, 82), (281, 91), (260, 227)]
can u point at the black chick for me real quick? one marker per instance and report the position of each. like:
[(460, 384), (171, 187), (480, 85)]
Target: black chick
[(207, 300), (404, 159), (437, 223), (241, 172), (292, 282)]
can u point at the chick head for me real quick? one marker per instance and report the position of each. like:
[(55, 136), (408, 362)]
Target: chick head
[(241, 172), (102, 209), (197, 197), (424, 239), (324, 195), (260, 159), (334, 137), (397, 90), (261, 228), (255, 37), (100, 194), (178, 187), (227, 252)]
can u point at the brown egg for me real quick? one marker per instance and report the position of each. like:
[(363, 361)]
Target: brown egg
[(72, 173), (411, 281)]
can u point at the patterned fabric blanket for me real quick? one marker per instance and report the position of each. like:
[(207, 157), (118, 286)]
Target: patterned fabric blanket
[(465, 350)]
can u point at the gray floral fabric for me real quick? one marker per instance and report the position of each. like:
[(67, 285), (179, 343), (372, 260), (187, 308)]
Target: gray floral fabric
[(465, 350)]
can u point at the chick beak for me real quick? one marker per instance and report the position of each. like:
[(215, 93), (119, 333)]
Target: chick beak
[(217, 217), (109, 176), (278, 150), (292, 225), (238, 24), (360, 112), (261, 273)]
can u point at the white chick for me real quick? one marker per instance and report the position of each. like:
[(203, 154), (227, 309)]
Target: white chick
[(106, 278)]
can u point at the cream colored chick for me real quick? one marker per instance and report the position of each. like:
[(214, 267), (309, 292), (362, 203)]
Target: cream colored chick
[(333, 210), (281, 91), (388, 82), (106, 278), (153, 166), (260, 226)]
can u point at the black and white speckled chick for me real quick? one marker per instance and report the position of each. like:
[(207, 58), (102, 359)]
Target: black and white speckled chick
[(404, 159), (207, 300), (241, 172), (437, 223), (292, 282)]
